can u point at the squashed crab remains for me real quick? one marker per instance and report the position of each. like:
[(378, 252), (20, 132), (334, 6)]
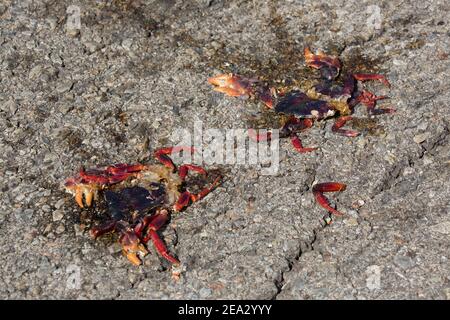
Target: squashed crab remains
[(327, 98), (140, 198)]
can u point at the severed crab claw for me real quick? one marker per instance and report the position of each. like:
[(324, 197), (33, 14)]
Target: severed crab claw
[(320, 188), (132, 247)]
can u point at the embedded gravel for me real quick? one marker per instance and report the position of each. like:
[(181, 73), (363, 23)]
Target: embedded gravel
[(118, 87)]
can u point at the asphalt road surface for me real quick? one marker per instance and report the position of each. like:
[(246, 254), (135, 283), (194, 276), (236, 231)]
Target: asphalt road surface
[(101, 82)]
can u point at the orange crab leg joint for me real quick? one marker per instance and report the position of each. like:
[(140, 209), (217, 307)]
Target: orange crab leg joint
[(320, 188)]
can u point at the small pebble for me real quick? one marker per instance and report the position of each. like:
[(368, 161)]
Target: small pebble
[(79, 229), (48, 228), (57, 215), (404, 262), (114, 248), (60, 229), (205, 292), (353, 213), (59, 204), (421, 137), (351, 222)]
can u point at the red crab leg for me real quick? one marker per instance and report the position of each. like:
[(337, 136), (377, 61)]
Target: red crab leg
[(106, 227), (162, 155), (292, 126), (369, 99), (378, 77), (297, 143), (318, 190), (111, 174), (123, 168), (259, 136), (93, 177), (185, 168), (340, 122), (161, 247), (187, 197), (155, 223)]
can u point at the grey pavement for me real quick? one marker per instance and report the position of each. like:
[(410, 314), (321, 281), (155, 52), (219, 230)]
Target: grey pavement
[(115, 89)]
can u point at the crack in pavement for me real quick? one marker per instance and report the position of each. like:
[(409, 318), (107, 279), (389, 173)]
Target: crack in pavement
[(409, 161), (392, 176), (303, 247)]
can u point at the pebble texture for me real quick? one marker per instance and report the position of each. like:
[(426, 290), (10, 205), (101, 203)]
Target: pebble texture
[(115, 89)]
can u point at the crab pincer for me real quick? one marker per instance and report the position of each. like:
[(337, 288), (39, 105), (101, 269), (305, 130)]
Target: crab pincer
[(328, 65), (235, 85), (320, 188), (88, 182)]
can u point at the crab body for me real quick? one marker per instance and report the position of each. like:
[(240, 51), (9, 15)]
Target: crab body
[(139, 199), (326, 99)]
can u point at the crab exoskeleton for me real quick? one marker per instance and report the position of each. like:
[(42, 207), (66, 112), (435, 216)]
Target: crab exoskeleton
[(325, 99), (139, 198)]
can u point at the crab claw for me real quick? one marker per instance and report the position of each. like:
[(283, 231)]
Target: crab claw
[(81, 191), (329, 65), (86, 184), (132, 247), (238, 86), (320, 188), (233, 85)]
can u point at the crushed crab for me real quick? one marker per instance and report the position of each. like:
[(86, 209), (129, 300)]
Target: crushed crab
[(140, 199)]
